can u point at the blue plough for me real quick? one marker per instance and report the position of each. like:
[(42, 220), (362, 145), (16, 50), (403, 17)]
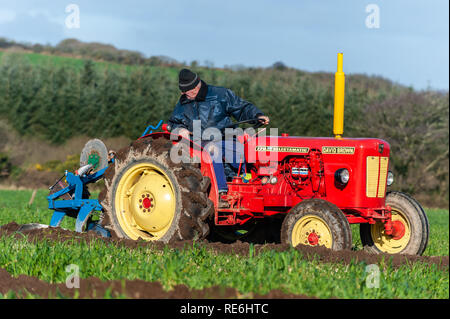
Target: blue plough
[(79, 206)]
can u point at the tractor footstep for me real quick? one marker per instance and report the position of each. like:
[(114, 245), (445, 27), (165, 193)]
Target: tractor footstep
[(26, 227)]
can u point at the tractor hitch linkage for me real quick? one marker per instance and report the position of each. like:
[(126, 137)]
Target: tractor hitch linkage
[(79, 206)]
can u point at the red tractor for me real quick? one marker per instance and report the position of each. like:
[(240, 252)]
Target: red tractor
[(313, 189)]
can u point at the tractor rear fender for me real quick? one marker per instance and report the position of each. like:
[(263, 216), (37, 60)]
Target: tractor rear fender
[(196, 151)]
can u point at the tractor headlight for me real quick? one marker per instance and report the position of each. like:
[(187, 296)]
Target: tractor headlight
[(390, 178), (342, 176)]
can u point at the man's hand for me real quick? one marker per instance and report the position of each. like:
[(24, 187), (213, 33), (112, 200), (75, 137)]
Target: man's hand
[(264, 119)]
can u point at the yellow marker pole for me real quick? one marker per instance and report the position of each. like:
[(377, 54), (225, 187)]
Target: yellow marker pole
[(339, 92)]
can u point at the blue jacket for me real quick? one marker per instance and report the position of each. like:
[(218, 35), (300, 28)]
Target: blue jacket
[(213, 105)]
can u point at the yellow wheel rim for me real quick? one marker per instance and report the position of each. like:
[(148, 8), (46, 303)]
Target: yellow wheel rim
[(311, 230), (386, 243), (145, 202)]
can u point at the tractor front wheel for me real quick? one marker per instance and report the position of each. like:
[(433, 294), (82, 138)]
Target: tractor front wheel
[(317, 222), (411, 221), (148, 196)]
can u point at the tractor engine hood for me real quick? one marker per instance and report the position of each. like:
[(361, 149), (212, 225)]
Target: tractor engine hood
[(365, 159), (276, 148)]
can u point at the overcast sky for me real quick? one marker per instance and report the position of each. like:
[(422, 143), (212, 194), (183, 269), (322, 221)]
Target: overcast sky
[(410, 45)]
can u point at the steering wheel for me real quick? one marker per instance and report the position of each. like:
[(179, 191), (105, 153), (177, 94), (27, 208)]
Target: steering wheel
[(257, 123)]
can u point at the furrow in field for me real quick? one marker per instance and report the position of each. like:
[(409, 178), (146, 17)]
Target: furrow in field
[(93, 287)]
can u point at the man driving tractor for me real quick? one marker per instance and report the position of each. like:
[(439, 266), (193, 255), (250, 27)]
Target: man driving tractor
[(212, 106), (310, 192)]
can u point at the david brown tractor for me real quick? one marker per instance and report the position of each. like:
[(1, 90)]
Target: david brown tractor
[(314, 189)]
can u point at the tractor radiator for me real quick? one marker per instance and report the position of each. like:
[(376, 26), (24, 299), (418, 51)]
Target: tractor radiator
[(376, 174)]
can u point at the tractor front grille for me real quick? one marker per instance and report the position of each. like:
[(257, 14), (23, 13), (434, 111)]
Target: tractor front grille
[(376, 174)]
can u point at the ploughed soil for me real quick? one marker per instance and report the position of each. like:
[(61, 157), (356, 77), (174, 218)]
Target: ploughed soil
[(238, 248), (93, 287)]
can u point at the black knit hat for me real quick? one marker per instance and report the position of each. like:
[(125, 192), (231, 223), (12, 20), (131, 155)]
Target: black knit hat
[(187, 80)]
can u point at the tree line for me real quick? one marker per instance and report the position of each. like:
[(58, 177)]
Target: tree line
[(91, 50)]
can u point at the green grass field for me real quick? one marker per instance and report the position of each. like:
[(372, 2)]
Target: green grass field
[(78, 63), (199, 268)]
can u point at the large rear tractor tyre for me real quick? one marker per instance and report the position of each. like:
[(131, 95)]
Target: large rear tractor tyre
[(317, 222), (409, 216), (148, 196)]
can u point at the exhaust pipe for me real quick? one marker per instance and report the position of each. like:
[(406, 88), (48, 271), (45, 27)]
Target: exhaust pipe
[(339, 92)]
